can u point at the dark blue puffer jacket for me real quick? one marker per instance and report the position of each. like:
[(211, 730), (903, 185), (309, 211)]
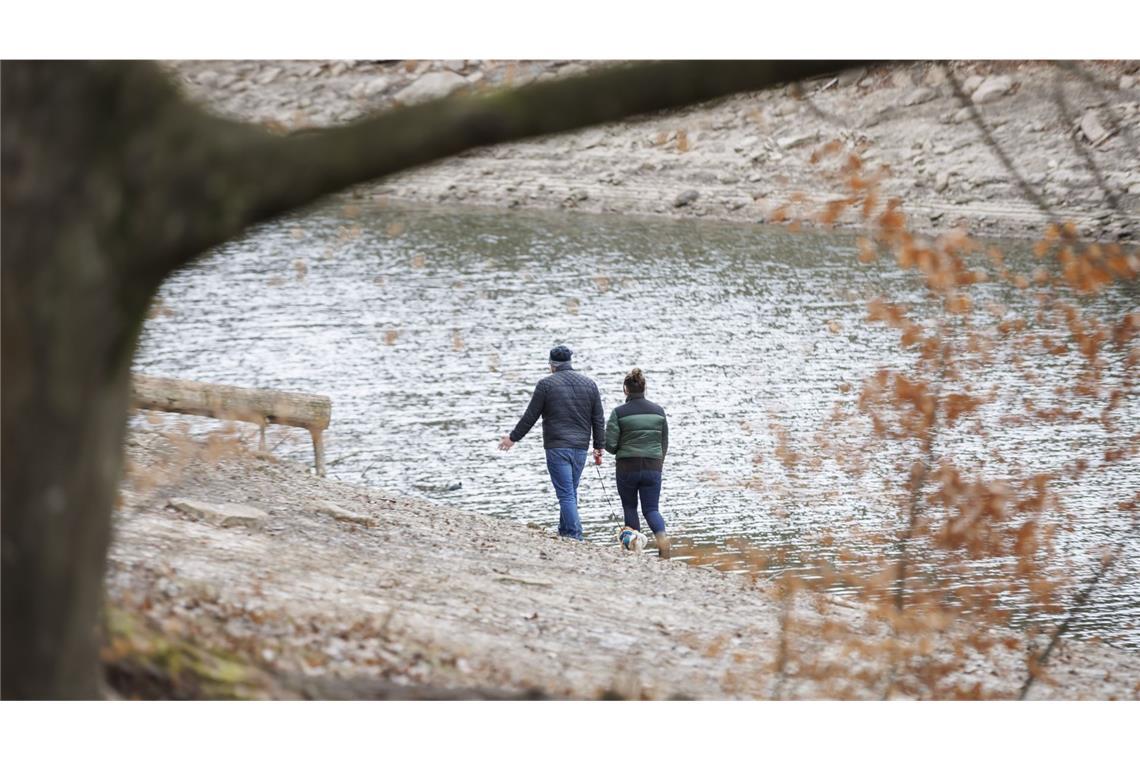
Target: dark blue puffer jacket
[(571, 409)]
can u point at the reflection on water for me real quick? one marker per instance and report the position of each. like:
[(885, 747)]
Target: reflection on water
[(429, 329)]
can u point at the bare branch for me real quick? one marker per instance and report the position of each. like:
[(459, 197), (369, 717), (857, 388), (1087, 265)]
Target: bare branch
[(988, 138), (1078, 605), (1067, 118), (1121, 128)]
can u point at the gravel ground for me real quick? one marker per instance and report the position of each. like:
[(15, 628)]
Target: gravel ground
[(415, 593)]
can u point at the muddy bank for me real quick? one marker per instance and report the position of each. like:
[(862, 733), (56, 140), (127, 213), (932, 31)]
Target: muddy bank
[(999, 148), (323, 579)]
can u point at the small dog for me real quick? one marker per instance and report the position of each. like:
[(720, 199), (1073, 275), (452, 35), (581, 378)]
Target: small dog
[(632, 540)]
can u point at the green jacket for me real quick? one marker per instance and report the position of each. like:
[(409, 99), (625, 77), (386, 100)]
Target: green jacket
[(638, 428)]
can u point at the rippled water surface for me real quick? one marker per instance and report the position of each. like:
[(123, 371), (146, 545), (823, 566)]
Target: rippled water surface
[(428, 329)]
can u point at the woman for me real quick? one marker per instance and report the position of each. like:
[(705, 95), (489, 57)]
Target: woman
[(638, 435)]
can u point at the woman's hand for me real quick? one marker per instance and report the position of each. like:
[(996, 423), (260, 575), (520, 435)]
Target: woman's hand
[(506, 443)]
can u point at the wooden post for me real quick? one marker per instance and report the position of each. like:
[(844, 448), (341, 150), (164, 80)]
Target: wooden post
[(318, 450), (228, 402)]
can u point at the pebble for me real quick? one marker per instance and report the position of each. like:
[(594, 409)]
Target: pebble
[(268, 75), (685, 198), (851, 76), (919, 96), (960, 116), (972, 83), (431, 86), (992, 89), (1091, 127)]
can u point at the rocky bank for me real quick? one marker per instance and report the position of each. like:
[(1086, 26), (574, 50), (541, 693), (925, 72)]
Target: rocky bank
[(996, 147)]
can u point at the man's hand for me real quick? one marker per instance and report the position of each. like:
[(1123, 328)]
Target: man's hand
[(506, 443), (598, 456)]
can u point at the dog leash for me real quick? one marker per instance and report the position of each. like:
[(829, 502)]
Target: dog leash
[(598, 469)]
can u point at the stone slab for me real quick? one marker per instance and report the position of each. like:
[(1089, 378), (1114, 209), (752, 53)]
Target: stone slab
[(222, 515)]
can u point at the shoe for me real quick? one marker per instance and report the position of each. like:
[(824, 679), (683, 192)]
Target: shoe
[(662, 545)]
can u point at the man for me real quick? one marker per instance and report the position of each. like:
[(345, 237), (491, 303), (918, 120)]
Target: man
[(571, 409)]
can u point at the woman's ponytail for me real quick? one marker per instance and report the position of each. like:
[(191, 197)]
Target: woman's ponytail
[(635, 381)]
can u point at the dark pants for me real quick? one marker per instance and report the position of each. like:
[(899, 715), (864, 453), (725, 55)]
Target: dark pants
[(647, 485)]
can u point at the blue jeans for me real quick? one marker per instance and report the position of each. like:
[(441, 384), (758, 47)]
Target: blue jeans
[(565, 467), (647, 485)]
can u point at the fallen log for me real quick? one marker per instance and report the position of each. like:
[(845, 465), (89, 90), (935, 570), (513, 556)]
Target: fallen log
[(227, 402)]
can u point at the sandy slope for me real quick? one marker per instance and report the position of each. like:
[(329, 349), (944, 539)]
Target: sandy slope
[(432, 595)]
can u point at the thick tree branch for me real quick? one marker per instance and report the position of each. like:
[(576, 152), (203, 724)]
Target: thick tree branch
[(270, 175)]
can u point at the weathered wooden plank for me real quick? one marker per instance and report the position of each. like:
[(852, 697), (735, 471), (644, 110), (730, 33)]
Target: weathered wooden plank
[(229, 402)]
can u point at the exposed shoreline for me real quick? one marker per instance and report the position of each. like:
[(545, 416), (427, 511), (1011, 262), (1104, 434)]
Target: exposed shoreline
[(1073, 137), (347, 582)]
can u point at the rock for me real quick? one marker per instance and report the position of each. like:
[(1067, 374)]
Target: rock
[(921, 95), (794, 141), (343, 515), (521, 77), (992, 89), (222, 515), (786, 108), (574, 69), (1127, 82), (851, 76), (971, 84), (475, 76), (942, 182), (431, 86), (456, 66), (1134, 189), (207, 78), (902, 78), (960, 116), (267, 76), (1091, 127), (935, 76), (338, 68), (376, 86), (685, 198)]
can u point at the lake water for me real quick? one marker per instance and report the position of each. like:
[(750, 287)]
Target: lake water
[(429, 328)]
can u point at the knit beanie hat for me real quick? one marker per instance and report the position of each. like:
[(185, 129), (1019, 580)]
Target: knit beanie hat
[(560, 354)]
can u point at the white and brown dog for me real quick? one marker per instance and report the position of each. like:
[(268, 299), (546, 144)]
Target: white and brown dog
[(632, 540)]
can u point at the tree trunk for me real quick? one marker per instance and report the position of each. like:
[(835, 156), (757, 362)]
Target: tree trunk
[(70, 319)]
